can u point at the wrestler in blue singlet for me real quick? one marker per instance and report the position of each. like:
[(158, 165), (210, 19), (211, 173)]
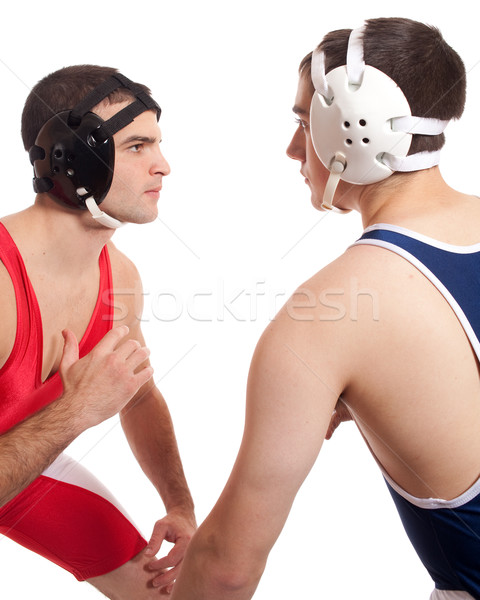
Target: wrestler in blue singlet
[(445, 534)]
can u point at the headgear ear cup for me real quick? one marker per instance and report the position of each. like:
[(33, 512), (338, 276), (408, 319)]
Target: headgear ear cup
[(359, 114), (71, 163), (357, 124)]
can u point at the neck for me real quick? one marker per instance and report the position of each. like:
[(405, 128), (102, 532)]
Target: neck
[(405, 198), (69, 241)]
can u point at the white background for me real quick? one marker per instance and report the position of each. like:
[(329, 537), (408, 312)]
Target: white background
[(236, 234)]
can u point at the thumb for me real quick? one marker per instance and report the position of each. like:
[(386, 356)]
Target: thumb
[(70, 350)]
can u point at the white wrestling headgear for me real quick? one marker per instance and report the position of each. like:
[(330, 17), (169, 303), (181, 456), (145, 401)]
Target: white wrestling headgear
[(361, 123)]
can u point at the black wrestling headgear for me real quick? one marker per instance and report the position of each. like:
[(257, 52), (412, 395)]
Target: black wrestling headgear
[(74, 153)]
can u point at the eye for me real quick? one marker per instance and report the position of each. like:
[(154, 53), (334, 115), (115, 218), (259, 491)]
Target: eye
[(136, 148), (302, 123)]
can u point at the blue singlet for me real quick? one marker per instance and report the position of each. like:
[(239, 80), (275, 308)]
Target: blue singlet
[(445, 534)]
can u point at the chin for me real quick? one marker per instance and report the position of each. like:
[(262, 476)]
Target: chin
[(146, 217), (139, 216), (317, 202)]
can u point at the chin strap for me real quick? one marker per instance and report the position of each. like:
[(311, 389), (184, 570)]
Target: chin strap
[(337, 167), (100, 216)]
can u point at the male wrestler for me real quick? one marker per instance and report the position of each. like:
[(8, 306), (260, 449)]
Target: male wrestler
[(371, 107), (93, 139)]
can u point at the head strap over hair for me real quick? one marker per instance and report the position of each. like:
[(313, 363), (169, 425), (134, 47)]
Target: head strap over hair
[(121, 119), (361, 122), (355, 60)]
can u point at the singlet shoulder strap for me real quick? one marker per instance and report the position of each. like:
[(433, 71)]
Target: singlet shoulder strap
[(28, 314), (453, 270), (102, 317)]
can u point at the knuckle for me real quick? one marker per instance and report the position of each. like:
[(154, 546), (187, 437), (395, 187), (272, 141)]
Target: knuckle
[(96, 352), (112, 361), (143, 353)]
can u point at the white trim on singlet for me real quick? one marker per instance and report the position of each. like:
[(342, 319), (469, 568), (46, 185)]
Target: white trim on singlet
[(450, 595), (470, 249), (69, 471), (433, 503)]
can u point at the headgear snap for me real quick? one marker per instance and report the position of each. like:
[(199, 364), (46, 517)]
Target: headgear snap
[(74, 152), (361, 123)]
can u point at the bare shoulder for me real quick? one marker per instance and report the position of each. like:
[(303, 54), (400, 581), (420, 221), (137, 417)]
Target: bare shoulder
[(313, 330), (8, 322), (127, 286), (355, 287), (325, 322), (345, 291)]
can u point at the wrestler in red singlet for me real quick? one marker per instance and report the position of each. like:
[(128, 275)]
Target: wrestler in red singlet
[(66, 515)]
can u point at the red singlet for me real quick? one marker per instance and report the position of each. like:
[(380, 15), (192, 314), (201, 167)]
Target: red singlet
[(22, 392), (66, 515)]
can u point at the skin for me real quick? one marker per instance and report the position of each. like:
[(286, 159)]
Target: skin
[(316, 357), (137, 150), (116, 376)]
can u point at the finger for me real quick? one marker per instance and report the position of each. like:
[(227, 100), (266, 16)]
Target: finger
[(158, 535), (172, 559), (334, 423), (127, 348), (112, 338), (166, 579), (70, 350), (142, 377), (342, 411), (138, 358)]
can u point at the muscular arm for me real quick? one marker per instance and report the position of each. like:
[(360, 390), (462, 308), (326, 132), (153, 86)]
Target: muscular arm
[(149, 430), (94, 389), (291, 394), (30, 447), (146, 419)]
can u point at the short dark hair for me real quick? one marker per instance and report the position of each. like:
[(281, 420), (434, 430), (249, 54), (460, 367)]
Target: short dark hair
[(62, 90), (427, 70)]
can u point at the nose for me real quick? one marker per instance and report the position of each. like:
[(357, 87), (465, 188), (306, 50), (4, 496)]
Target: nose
[(296, 148), (160, 164)]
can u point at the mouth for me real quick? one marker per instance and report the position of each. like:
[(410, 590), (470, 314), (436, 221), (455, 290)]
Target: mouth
[(154, 192)]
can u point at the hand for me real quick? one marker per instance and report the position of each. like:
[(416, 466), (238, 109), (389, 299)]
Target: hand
[(340, 414), (101, 383), (178, 529)]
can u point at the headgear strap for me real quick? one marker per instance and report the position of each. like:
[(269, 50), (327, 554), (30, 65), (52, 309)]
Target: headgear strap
[(121, 119)]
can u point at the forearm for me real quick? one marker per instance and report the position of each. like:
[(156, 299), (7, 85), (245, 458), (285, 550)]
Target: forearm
[(149, 430), (30, 447), (94, 388)]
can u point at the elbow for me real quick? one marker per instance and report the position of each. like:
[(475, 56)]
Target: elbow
[(231, 578), (234, 571), (224, 571)]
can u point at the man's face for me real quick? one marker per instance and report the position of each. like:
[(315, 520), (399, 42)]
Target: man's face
[(301, 147), (139, 168)]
